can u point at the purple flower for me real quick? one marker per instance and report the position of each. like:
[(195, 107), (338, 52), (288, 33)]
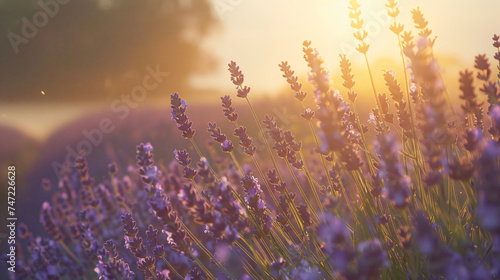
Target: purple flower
[(468, 94), (431, 245), (334, 233), (237, 78), (49, 223), (129, 225), (319, 76), (178, 114), (216, 133), (308, 114), (460, 169), (144, 155), (147, 265), (373, 257), (151, 236), (254, 201), (292, 81), (277, 266), (245, 140), (182, 157), (236, 74), (304, 214), (472, 138), (111, 248), (227, 146), (481, 63), (495, 121), (228, 109), (303, 271), (488, 168), (159, 251), (163, 209), (243, 91), (189, 173)]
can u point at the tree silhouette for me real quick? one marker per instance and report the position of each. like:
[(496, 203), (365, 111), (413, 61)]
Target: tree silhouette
[(99, 50)]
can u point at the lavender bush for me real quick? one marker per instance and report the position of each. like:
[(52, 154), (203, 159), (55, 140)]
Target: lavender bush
[(413, 192)]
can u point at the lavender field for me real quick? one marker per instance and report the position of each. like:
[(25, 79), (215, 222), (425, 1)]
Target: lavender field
[(359, 169)]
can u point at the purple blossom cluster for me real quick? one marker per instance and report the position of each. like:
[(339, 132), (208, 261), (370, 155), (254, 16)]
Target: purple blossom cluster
[(405, 194)]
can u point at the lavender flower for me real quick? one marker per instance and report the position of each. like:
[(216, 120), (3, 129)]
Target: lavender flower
[(483, 66), (201, 211), (255, 203), (182, 157), (335, 235), (330, 115), (431, 245), (81, 167), (421, 24), (304, 214), (357, 23), (489, 190), (472, 138), (397, 184), (275, 181), (237, 78), (228, 109), (162, 208), (404, 116), (292, 81), (373, 257), (179, 115), (308, 114), (216, 133), (227, 146), (109, 266), (494, 130), (49, 223), (199, 227), (461, 169), (304, 272), (347, 76), (245, 140), (490, 89), (469, 96), (496, 44), (284, 217)]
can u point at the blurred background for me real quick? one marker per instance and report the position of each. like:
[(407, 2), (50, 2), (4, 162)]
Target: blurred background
[(98, 74)]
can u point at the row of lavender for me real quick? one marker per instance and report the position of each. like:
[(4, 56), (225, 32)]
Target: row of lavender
[(408, 194)]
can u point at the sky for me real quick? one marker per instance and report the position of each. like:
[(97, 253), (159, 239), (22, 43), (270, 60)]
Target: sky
[(259, 34)]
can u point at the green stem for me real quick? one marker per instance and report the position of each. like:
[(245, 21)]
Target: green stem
[(264, 136), (373, 87), (202, 266), (309, 205), (272, 195), (153, 273), (69, 252), (318, 146), (172, 268), (311, 184), (204, 249), (237, 163)]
